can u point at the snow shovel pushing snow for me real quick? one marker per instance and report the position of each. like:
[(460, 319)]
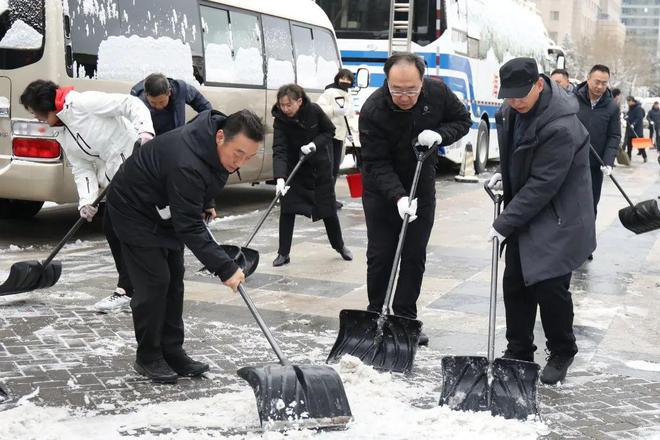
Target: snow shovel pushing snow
[(505, 387), (288, 395), (26, 276), (639, 218), (384, 341)]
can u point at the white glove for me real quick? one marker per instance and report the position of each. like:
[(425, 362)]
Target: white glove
[(495, 182), (428, 138), (607, 170), (402, 206), (145, 137), (308, 148), (281, 188), (349, 138), (88, 212), (344, 111), (493, 233)]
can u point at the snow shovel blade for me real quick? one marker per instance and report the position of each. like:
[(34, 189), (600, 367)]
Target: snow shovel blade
[(465, 383), (358, 336), (246, 258), (644, 217), (26, 276), (298, 396), (514, 389)]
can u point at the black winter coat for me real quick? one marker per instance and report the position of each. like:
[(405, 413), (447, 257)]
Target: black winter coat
[(312, 191), (654, 116), (603, 123), (387, 134), (548, 201), (180, 169), (182, 94), (635, 121)]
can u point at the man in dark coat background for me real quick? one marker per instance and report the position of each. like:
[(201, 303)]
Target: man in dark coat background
[(157, 204), (548, 222), (408, 108), (634, 125), (166, 99), (601, 117)]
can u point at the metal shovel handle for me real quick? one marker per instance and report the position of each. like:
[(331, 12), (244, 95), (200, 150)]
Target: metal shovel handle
[(600, 161), (492, 310), (262, 325)]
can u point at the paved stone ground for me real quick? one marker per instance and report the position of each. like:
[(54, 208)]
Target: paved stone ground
[(53, 341)]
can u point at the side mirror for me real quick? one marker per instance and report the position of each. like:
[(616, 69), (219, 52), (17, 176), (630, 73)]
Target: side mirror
[(362, 78), (561, 62)]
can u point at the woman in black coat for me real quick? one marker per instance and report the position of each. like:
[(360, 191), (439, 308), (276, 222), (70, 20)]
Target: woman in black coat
[(301, 127)]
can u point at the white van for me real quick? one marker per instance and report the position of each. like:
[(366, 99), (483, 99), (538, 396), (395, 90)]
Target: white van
[(236, 52)]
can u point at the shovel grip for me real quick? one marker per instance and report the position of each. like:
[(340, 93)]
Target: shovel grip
[(600, 161)]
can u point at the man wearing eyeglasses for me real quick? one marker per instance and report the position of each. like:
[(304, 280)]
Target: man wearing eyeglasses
[(548, 223), (407, 109), (600, 116)]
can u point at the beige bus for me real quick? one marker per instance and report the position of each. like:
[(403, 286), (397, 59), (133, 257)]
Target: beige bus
[(236, 52)]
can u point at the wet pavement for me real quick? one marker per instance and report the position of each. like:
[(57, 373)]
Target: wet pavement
[(53, 341)]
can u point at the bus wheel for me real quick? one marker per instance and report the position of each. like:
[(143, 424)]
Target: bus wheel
[(19, 209), (481, 155)]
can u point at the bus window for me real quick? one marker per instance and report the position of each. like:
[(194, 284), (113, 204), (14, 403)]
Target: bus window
[(279, 52), (317, 61), (131, 57), (21, 32), (424, 22), (232, 47), (368, 19)]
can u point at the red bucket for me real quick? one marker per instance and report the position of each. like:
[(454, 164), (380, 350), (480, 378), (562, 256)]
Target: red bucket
[(355, 184)]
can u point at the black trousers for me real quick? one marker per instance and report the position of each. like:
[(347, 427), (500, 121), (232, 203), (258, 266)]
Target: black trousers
[(642, 151), (553, 299), (596, 185), (157, 302), (115, 247), (337, 147), (287, 222), (383, 228)]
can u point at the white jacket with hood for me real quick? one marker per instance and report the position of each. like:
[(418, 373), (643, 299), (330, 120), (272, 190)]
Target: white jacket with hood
[(99, 134), (331, 102)]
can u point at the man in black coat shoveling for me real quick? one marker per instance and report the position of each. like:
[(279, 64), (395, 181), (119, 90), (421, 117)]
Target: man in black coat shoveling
[(407, 108), (548, 223), (157, 203)]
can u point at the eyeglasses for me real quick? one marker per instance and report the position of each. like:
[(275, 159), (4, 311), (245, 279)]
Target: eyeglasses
[(411, 93), (600, 83)]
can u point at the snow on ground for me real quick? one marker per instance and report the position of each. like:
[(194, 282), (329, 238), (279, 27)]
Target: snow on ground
[(21, 36), (643, 365), (233, 415)]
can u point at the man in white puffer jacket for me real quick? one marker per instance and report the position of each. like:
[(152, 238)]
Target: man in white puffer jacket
[(337, 103), (100, 132)]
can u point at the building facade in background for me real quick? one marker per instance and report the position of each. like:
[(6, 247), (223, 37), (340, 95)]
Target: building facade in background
[(572, 20), (642, 21)]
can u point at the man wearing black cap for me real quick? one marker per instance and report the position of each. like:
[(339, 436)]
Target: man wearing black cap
[(548, 219)]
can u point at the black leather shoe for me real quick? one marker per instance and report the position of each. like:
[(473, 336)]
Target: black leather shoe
[(339, 205), (158, 371), (556, 368), (345, 253), (423, 339), (281, 260), (184, 365)]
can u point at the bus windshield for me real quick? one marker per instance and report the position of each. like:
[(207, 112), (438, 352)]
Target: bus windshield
[(21, 32)]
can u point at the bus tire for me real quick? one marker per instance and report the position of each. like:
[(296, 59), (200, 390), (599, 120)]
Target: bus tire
[(481, 153), (19, 209)]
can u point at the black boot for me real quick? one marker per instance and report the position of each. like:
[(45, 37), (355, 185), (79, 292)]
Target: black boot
[(184, 365), (345, 253), (281, 260), (556, 368), (158, 371), (423, 339)]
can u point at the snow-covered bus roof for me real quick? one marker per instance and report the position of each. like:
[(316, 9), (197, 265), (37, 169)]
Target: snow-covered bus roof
[(306, 11)]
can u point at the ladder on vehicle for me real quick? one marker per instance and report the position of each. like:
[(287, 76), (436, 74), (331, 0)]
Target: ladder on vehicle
[(401, 18)]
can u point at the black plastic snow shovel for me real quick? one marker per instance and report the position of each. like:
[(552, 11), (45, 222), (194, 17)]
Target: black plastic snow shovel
[(505, 387), (385, 341), (638, 218), (26, 276), (298, 396)]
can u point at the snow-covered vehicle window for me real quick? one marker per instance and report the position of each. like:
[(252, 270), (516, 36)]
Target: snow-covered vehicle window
[(317, 61), (232, 47), (279, 52), (21, 32), (163, 36)]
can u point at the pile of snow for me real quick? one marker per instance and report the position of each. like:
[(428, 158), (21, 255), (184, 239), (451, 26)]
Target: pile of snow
[(21, 36), (643, 365), (4, 5), (246, 67), (133, 58)]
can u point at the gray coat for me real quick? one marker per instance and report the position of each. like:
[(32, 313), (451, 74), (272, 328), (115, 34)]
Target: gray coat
[(548, 204)]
